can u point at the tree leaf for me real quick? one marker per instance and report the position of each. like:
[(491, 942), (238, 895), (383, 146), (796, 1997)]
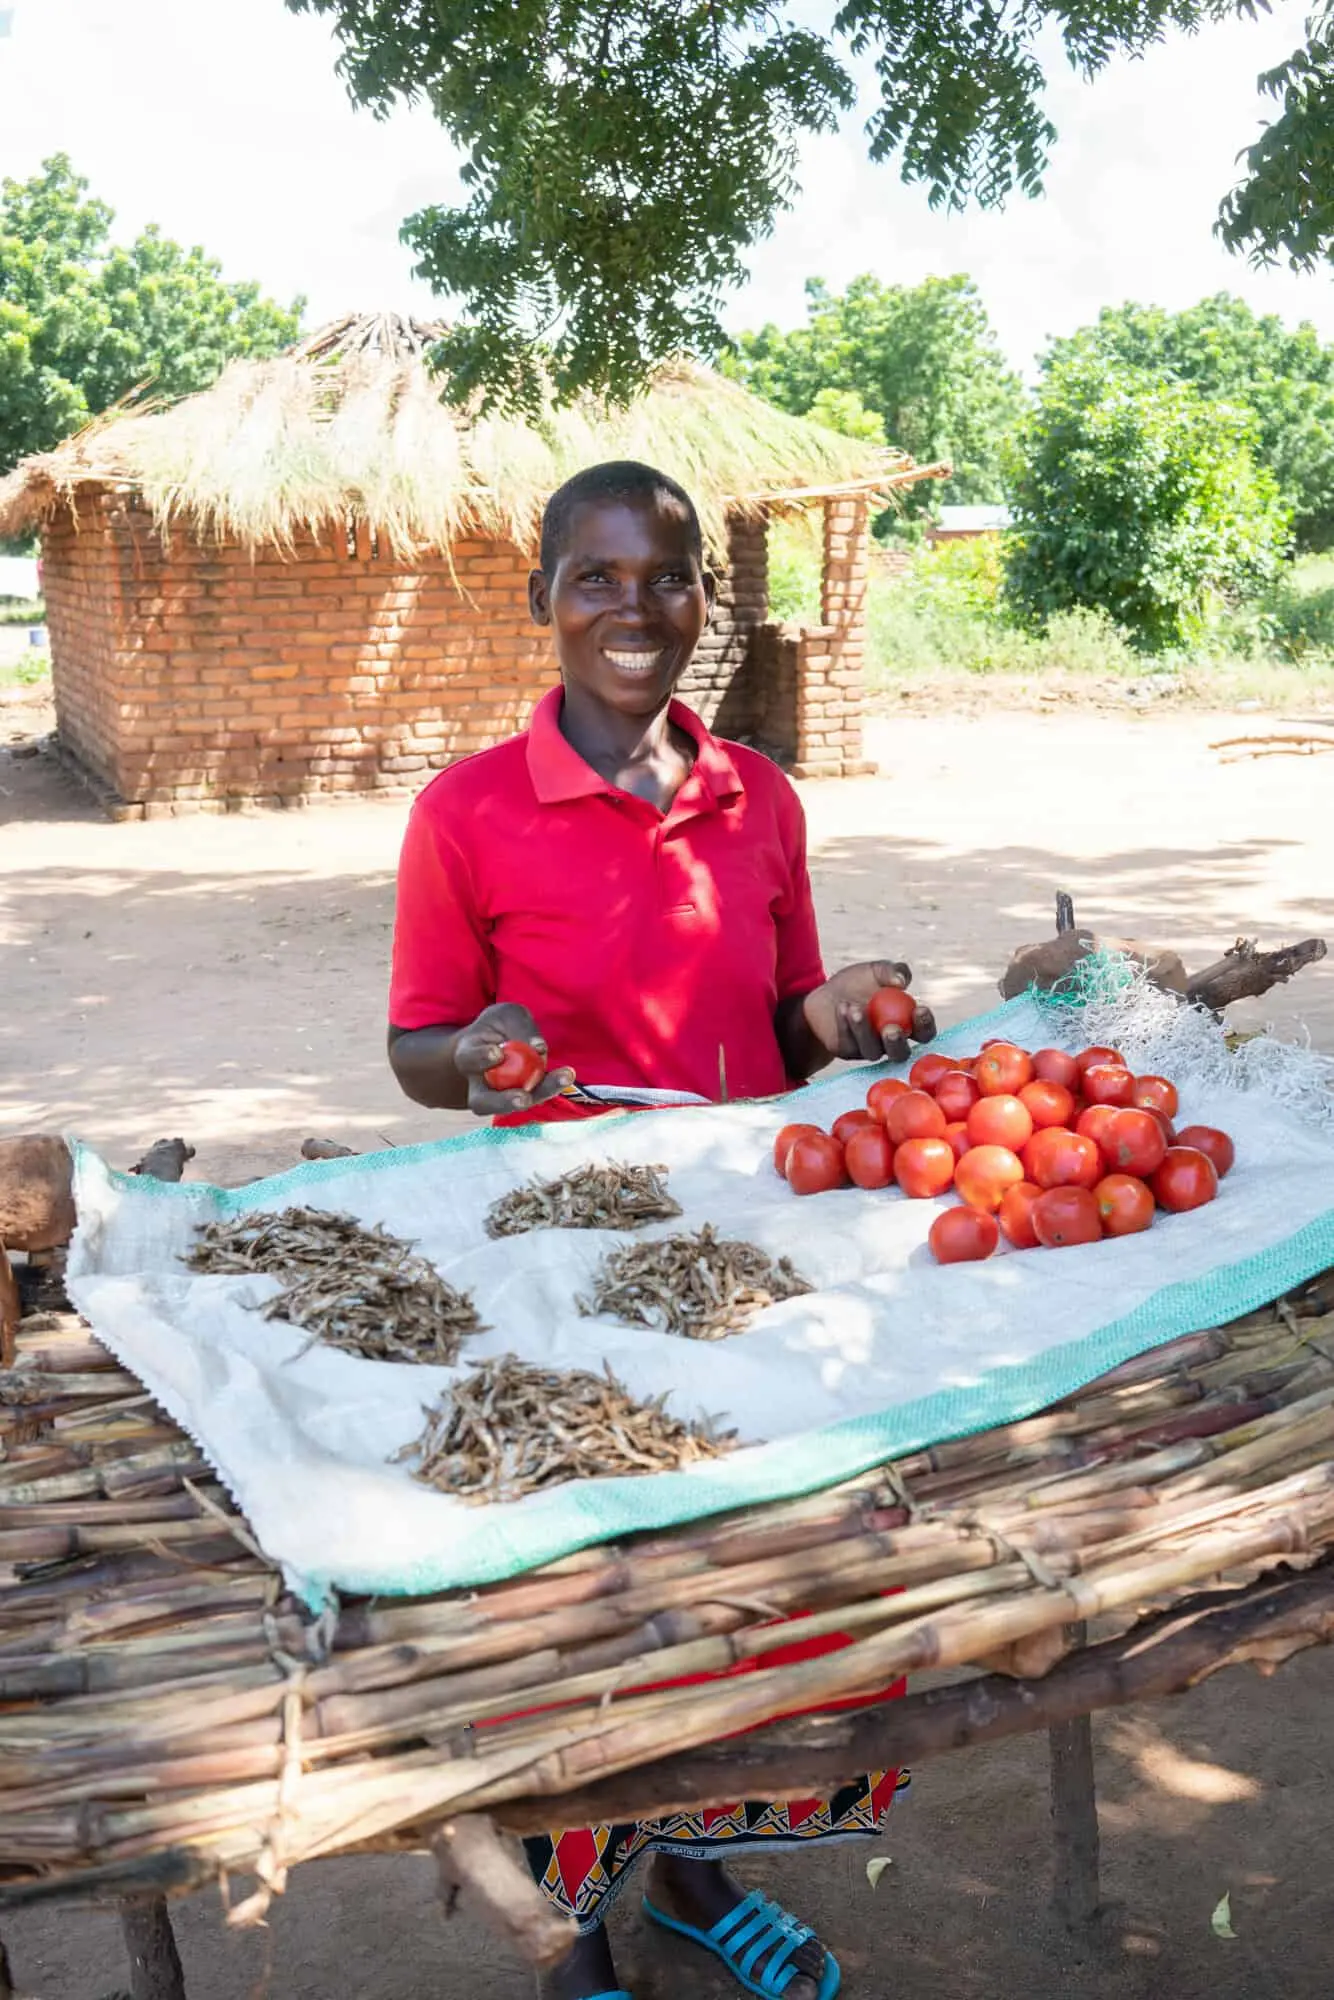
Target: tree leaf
[(1220, 1923)]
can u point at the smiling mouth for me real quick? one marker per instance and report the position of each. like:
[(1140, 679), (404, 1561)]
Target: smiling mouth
[(638, 660)]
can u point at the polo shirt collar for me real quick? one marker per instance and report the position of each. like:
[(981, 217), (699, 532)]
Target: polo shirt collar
[(559, 773)]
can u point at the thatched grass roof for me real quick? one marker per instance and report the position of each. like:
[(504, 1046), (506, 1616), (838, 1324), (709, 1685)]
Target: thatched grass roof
[(348, 424)]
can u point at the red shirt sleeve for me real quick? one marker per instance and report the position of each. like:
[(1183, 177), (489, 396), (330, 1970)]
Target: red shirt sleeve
[(443, 969), (800, 968)]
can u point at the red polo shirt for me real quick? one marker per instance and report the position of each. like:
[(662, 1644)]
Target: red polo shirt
[(642, 942)]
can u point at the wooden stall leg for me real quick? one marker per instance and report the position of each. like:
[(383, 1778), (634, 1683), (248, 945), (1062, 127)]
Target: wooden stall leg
[(6, 1974), (1074, 1813), (155, 1964), (471, 1856)]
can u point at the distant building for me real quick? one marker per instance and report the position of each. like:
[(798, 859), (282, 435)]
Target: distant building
[(966, 524)]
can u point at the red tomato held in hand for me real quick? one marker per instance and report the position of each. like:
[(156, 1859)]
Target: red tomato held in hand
[(985, 1175), (1104, 1083), (1002, 1070), (1124, 1203), (520, 1068), (1015, 1215), (957, 1134), (1132, 1142), (924, 1167), (927, 1071), (1098, 1054), (844, 1126), (1048, 1103), (1186, 1179), (915, 1116), (815, 1164), (956, 1094), (1000, 1121), (892, 1008), (1055, 1066), (1064, 1216), (1215, 1145), (881, 1095), (1155, 1093), (962, 1236), (869, 1156), (785, 1141), (1055, 1159)]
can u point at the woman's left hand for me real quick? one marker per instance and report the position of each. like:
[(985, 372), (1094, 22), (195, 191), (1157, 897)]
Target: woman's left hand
[(835, 1014)]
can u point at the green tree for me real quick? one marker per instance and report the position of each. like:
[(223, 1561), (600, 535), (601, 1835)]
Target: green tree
[(1140, 497), (923, 357), (84, 322), (620, 160), (1284, 374)]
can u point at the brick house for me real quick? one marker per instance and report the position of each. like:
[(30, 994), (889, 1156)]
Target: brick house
[(311, 578)]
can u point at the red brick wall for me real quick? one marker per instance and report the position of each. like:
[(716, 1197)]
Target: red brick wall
[(190, 676)]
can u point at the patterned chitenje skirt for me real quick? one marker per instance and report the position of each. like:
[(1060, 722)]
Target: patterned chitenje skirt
[(584, 1870)]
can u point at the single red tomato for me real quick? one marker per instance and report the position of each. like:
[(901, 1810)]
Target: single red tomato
[(1066, 1215), (881, 1095), (962, 1236), (1186, 1179), (785, 1141), (1132, 1142), (924, 1167), (1015, 1215), (1000, 1121), (891, 1007), (869, 1156), (985, 1175), (1048, 1103), (915, 1116), (1215, 1145), (1055, 1066), (1168, 1129), (1093, 1120), (996, 1041), (927, 1071), (520, 1068), (1124, 1203), (1054, 1158), (956, 1094), (815, 1164), (1104, 1083), (843, 1126), (1002, 1069), (1098, 1054), (957, 1134), (1155, 1093)]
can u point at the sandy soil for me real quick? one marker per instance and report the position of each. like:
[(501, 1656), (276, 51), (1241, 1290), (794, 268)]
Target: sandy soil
[(225, 979)]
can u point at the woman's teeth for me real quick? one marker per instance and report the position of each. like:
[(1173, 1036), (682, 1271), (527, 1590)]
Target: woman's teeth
[(637, 662)]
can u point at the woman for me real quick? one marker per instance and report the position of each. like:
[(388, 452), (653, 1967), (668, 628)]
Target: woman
[(620, 888)]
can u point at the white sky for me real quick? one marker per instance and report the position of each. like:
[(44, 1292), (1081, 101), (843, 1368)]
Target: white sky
[(227, 125)]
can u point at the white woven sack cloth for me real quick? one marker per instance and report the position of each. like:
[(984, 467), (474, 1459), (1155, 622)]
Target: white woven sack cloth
[(890, 1353)]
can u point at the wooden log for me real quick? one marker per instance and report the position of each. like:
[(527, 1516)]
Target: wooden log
[(165, 1160), (155, 1963), (1245, 973), (1074, 1815), (36, 1192), (326, 1149), (473, 1859), (10, 1310), (1265, 1624)]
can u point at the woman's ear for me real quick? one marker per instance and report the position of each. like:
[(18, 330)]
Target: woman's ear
[(539, 598)]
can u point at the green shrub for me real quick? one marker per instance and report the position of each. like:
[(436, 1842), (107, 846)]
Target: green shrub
[(795, 556)]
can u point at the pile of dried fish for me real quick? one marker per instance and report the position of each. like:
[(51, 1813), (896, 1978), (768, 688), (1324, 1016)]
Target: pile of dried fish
[(702, 1287), (508, 1428), (357, 1289), (610, 1197)]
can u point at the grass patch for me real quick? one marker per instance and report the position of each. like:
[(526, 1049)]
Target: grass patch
[(32, 669), (20, 611)]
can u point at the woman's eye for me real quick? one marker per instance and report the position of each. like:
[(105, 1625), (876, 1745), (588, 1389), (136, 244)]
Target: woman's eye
[(674, 579)]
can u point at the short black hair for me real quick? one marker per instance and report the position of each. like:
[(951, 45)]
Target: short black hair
[(618, 479)]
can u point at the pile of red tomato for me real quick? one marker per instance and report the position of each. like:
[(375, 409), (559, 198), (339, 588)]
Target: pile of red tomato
[(1044, 1149)]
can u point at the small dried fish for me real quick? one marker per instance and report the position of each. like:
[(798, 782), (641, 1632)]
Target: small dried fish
[(360, 1290), (610, 1197), (702, 1287), (508, 1428)]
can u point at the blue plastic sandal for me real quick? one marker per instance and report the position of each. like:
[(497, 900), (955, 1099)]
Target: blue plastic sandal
[(751, 1928)]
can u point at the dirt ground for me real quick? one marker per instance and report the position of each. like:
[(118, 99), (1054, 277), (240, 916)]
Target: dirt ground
[(224, 979)]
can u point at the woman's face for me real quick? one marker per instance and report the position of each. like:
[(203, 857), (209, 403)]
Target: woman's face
[(627, 603)]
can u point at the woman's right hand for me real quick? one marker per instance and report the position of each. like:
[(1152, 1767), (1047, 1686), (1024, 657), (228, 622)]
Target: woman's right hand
[(478, 1048)]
